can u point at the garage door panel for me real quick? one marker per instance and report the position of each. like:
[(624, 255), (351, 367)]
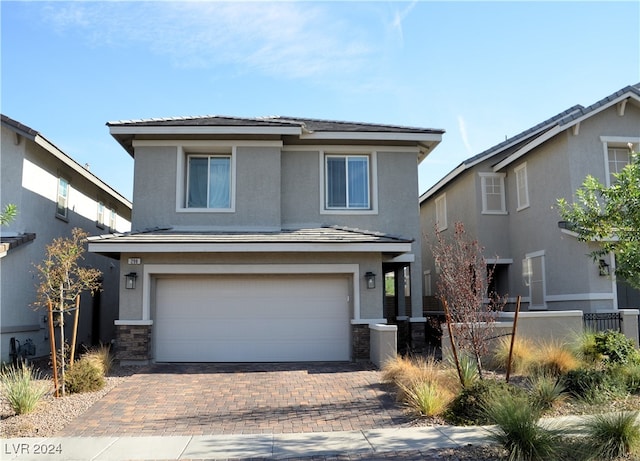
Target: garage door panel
[(248, 318)]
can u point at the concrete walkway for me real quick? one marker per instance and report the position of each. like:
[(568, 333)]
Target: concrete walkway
[(263, 446)]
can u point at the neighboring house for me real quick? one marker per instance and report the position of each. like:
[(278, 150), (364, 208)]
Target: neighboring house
[(53, 195), (265, 239), (506, 197)]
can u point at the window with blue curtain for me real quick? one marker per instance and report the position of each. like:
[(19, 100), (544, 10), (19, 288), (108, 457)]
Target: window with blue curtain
[(347, 182), (209, 182)]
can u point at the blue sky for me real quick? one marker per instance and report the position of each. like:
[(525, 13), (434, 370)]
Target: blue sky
[(481, 71)]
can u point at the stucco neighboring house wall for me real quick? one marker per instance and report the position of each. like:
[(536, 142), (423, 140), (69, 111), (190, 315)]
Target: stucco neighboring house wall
[(31, 168), (526, 241)]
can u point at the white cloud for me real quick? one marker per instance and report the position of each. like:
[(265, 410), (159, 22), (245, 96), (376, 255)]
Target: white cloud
[(399, 17), (462, 126), (285, 39)]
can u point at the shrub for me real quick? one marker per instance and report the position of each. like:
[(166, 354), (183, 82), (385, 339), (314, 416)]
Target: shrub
[(630, 373), (84, 376), (517, 428), (22, 387), (585, 348), (546, 391), (612, 435), (101, 357), (594, 386), (467, 408), (522, 356), (616, 348), (426, 398), (555, 359)]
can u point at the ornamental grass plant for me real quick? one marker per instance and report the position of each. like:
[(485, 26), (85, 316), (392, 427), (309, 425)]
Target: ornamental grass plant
[(24, 387), (612, 436), (522, 357), (517, 429), (101, 357)]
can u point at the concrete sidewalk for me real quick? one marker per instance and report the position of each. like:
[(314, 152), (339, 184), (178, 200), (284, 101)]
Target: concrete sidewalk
[(239, 446)]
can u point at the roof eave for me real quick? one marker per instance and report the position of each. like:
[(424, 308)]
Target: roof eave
[(202, 247)]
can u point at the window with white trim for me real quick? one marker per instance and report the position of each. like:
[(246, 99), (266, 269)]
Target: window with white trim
[(347, 182), (534, 278), (100, 215), (441, 212), (493, 201), (428, 290), (62, 202), (112, 219), (209, 181), (522, 186), (617, 159)]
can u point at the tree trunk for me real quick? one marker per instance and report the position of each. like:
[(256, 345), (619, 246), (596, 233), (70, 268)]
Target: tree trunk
[(75, 331)]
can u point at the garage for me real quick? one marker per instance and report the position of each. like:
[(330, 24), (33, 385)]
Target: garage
[(251, 318)]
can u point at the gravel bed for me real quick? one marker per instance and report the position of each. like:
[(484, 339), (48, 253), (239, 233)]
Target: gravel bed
[(52, 414)]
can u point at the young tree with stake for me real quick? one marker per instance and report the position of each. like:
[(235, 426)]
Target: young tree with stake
[(62, 280)]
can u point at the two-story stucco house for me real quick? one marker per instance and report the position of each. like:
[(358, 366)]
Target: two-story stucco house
[(53, 194), (265, 239), (507, 198)]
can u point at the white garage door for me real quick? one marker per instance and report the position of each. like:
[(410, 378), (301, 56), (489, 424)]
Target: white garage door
[(251, 319)]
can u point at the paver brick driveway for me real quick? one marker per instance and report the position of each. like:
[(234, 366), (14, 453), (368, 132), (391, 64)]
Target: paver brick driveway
[(204, 399)]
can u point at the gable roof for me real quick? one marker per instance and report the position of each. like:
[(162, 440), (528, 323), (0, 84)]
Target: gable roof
[(515, 147), (306, 129), (33, 135)]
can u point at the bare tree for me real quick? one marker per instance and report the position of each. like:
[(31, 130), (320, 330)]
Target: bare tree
[(462, 284), (62, 280)]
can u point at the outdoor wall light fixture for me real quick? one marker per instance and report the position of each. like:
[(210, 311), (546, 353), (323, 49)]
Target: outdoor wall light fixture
[(130, 280), (603, 268), (370, 277)]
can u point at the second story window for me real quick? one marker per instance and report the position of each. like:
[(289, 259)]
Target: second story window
[(63, 198), (100, 216), (347, 182), (493, 201), (112, 219), (209, 181), (441, 212), (522, 188), (617, 159)]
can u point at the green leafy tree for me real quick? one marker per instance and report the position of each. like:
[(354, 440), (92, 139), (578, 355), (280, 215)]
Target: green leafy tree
[(62, 280), (610, 216), (8, 214)]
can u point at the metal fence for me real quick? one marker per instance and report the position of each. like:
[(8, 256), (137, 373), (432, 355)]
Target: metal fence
[(603, 321)]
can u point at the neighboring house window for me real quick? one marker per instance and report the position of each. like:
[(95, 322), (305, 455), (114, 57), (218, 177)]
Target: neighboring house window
[(209, 181), (100, 216), (493, 201), (522, 186), (441, 212), (428, 290), (347, 182), (617, 159), (533, 274), (112, 219), (63, 198)]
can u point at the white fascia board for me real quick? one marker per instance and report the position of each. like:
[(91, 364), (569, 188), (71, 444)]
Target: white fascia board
[(516, 155), (194, 143), (96, 247), (440, 184), (532, 145), (374, 136), (187, 130), (348, 148), (75, 166)]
